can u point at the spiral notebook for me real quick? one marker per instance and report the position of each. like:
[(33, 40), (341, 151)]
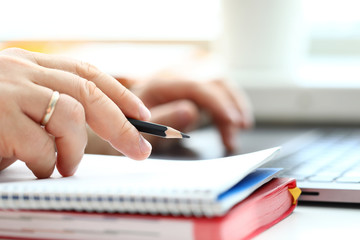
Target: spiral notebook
[(118, 184), (265, 207)]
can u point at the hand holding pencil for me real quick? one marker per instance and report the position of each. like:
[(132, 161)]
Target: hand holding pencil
[(179, 104), (45, 120)]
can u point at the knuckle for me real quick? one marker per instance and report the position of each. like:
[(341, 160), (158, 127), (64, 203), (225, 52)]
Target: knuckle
[(187, 105), (76, 112), (11, 62), (91, 94), (13, 51), (188, 110), (124, 130), (86, 70), (195, 87), (123, 93), (6, 59)]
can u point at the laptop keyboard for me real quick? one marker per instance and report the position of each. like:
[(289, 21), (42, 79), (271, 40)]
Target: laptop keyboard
[(334, 157)]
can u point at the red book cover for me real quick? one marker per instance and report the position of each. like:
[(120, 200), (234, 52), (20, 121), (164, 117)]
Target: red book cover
[(265, 207)]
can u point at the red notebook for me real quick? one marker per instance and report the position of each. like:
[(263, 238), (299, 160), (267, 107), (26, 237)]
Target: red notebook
[(265, 207)]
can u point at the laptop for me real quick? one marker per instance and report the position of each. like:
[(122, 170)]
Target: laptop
[(326, 164), (325, 160), (325, 156), (320, 140)]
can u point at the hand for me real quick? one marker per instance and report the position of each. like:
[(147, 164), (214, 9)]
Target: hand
[(27, 81), (178, 103)]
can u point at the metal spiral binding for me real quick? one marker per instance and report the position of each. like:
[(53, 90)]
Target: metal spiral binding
[(164, 202)]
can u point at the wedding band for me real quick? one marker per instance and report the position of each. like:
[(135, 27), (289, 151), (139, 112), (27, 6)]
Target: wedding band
[(51, 107)]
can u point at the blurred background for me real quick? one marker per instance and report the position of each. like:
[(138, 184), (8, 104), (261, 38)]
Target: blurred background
[(301, 48)]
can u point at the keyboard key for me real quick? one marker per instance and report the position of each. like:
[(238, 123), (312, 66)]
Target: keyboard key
[(328, 173), (352, 173), (348, 180), (335, 157), (321, 179), (303, 171)]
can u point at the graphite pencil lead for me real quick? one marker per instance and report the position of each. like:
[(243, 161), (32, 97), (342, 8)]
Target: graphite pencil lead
[(184, 135)]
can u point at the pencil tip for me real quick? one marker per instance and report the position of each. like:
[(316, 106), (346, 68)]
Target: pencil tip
[(184, 135)]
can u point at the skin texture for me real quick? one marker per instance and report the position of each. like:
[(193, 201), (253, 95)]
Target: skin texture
[(87, 97)]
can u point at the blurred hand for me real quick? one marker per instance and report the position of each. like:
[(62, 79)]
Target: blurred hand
[(179, 103), (27, 82)]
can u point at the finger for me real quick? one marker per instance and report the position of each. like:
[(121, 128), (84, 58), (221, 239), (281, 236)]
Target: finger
[(211, 97), (67, 124), (102, 114), (127, 101), (126, 81), (96, 145), (228, 135), (241, 101), (31, 144)]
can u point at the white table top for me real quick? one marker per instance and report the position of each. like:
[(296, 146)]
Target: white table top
[(317, 222)]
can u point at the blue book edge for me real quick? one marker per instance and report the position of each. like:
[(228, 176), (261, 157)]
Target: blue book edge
[(246, 186)]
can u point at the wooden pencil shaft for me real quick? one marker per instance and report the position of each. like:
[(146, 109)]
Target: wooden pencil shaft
[(150, 128)]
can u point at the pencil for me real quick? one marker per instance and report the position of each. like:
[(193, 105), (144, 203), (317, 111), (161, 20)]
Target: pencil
[(157, 129)]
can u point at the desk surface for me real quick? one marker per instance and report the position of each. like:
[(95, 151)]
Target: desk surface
[(317, 222)]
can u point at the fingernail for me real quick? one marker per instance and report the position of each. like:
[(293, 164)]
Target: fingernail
[(144, 112), (145, 146)]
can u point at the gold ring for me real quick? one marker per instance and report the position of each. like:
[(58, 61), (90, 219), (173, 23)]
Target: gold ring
[(51, 107)]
